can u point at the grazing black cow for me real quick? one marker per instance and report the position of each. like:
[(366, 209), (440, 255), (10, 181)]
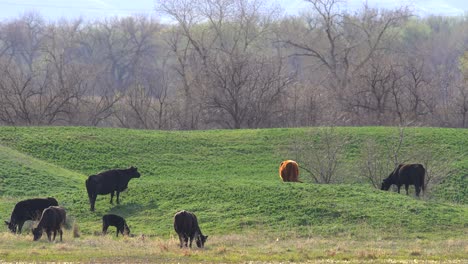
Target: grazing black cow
[(186, 226), (109, 182), (52, 220), (407, 174), (117, 221), (30, 209)]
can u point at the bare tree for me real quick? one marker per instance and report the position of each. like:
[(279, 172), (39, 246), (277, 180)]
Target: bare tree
[(462, 91), (375, 87), (240, 80), (20, 79), (377, 161), (342, 44), (374, 165), (320, 153), (461, 104), (67, 77)]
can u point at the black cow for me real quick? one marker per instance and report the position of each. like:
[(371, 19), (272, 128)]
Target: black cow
[(52, 220), (186, 226), (109, 182), (407, 174), (117, 221), (30, 209)]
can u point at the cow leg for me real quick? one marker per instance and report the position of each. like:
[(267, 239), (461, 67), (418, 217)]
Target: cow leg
[(92, 201), (55, 234), (112, 197), (186, 238), (117, 233), (406, 188), (104, 228), (20, 226), (191, 239), (398, 188), (60, 233), (48, 234), (181, 240), (118, 194), (417, 188)]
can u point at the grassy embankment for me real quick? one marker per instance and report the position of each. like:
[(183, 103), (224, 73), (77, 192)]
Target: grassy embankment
[(229, 179)]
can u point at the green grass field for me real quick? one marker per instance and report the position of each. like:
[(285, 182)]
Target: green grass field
[(229, 178)]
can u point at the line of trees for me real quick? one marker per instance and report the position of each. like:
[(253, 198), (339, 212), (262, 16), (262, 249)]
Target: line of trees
[(236, 64)]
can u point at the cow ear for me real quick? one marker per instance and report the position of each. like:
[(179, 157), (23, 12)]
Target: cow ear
[(7, 223)]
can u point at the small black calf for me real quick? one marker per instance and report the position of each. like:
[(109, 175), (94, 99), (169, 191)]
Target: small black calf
[(117, 221)]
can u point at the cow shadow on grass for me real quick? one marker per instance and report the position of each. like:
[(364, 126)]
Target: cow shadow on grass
[(130, 209)]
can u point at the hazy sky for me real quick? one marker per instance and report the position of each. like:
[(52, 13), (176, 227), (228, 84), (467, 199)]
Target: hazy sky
[(96, 9)]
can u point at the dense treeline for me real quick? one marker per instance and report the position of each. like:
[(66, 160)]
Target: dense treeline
[(236, 64)]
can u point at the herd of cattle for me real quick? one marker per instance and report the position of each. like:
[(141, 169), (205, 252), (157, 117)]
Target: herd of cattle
[(404, 174), (52, 217)]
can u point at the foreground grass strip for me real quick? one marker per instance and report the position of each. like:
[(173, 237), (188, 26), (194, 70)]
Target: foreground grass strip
[(253, 247)]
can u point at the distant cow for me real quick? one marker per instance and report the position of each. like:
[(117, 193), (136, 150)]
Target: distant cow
[(109, 182), (117, 221), (186, 226), (407, 174), (52, 220), (30, 209), (289, 171)]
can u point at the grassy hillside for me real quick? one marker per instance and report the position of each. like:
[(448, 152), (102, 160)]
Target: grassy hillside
[(229, 179)]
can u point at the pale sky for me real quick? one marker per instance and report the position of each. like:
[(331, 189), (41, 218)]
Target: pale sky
[(98, 9)]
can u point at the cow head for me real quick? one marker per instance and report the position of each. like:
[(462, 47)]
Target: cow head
[(37, 232), (134, 172), (126, 230), (201, 239), (11, 226), (386, 183)]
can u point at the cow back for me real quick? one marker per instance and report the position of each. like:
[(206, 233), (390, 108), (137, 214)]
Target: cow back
[(289, 171), (52, 217), (186, 223), (111, 180), (406, 174), (412, 174), (113, 220), (31, 209)]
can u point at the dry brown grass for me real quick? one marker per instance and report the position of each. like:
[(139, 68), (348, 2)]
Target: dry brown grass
[(76, 230), (230, 248)]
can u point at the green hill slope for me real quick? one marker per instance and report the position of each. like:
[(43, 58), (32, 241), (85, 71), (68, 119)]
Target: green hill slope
[(228, 178)]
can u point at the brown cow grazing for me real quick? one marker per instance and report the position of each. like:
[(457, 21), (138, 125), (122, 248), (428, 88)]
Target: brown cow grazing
[(407, 174), (186, 226), (117, 221), (52, 220), (289, 171)]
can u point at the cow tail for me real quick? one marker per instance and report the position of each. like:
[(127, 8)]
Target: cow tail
[(89, 188), (423, 186)]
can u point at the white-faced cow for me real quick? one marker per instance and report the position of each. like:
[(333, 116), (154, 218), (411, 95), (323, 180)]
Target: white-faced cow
[(30, 209), (109, 182), (406, 174), (52, 220), (186, 226), (117, 221)]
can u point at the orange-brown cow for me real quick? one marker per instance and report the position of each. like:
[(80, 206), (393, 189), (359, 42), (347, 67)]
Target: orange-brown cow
[(289, 171)]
